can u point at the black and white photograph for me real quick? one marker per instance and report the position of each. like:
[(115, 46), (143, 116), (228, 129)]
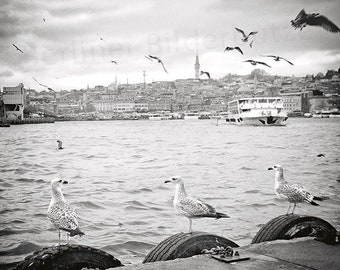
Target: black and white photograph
[(168, 134)]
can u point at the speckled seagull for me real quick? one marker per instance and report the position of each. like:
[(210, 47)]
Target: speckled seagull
[(293, 193), (190, 207), (315, 19), (61, 214)]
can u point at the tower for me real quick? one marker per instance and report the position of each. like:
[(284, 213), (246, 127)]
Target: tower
[(197, 68)]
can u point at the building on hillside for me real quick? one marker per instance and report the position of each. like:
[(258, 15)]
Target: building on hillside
[(14, 100), (110, 105)]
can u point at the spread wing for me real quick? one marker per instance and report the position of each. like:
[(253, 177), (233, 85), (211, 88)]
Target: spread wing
[(63, 216), (301, 14), (263, 63), (324, 23), (241, 31), (163, 66), (239, 49), (274, 56), (252, 33), (287, 61), (193, 207)]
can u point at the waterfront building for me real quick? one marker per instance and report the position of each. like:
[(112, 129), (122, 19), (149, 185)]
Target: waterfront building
[(105, 105), (14, 101), (291, 102)]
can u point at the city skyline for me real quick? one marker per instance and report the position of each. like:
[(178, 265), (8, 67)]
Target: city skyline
[(73, 44)]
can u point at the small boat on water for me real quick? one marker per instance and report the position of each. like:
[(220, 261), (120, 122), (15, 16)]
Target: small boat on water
[(258, 111)]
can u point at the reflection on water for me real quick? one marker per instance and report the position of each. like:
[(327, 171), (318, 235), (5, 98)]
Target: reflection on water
[(116, 172)]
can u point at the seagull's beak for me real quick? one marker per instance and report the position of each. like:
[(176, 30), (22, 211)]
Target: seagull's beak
[(64, 182), (271, 168), (167, 181)]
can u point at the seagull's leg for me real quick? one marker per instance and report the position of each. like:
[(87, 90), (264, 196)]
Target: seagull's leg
[(294, 208), (67, 237), (288, 208), (190, 224), (59, 236)]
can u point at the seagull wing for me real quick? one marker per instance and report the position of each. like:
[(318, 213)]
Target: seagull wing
[(263, 63), (63, 216), (163, 66), (193, 207), (239, 49), (250, 61), (252, 33), (301, 14), (324, 23), (287, 61), (208, 74), (241, 31), (274, 56), (154, 57), (114, 62), (42, 84), (228, 49), (147, 57)]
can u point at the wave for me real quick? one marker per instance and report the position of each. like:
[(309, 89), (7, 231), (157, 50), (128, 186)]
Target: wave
[(22, 248)]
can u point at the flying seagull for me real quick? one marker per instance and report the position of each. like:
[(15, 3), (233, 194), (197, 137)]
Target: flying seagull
[(206, 73), (190, 207), (315, 19), (278, 58), (320, 155), (60, 145), (251, 44), (60, 213), (114, 62), (49, 88), (151, 57), (100, 37), (17, 48), (293, 193), (245, 37), (44, 20), (233, 48), (254, 63)]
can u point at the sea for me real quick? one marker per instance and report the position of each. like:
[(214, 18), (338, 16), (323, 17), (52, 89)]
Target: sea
[(116, 172)]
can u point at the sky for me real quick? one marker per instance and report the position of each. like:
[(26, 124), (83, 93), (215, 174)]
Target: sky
[(69, 44)]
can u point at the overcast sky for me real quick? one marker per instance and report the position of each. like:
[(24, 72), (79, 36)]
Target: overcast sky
[(75, 44)]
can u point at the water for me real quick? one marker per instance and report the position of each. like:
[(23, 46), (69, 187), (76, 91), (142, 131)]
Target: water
[(116, 172)]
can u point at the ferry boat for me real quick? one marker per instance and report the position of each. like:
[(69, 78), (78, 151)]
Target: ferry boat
[(257, 111)]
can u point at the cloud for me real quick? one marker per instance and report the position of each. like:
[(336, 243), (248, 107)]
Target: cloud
[(6, 73)]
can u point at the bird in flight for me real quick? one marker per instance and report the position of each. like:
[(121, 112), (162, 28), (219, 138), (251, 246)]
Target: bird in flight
[(191, 207), (315, 19), (245, 37), (205, 73), (49, 88), (254, 63), (44, 20), (320, 155), (114, 62), (293, 193), (100, 37), (251, 44), (278, 58), (151, 57), (233, 48), (17, 48)]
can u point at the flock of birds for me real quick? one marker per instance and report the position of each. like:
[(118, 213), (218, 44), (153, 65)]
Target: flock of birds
[(64, 217), (302, 20)]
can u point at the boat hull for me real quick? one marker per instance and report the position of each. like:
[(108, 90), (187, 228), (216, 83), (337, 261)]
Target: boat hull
[(258, 121)]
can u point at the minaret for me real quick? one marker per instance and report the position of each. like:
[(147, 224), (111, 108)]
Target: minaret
[(197, 68)]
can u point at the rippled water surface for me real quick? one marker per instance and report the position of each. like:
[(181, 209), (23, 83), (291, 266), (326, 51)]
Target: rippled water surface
[(116, 172)]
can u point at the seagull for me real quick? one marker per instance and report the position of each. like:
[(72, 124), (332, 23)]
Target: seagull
[(233, 48), (151, 57), (17, 48), (320, 155), (190, 207), (245, 37), (293, 193), (60, 145), (278, 58), (100, 37), (254, 63), (44, 20), (206, 73), (49, 88), (315, 19), (114, 62), (61, 214)]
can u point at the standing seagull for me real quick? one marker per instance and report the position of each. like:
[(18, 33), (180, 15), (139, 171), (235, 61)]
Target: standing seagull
[(190, 207), (151, 57), (278, 58), (60, 214), (315, 19), (17, 48), (245, 37), (60, 145), (254, 63), (293, 193), (233, 48), (206, 73)]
